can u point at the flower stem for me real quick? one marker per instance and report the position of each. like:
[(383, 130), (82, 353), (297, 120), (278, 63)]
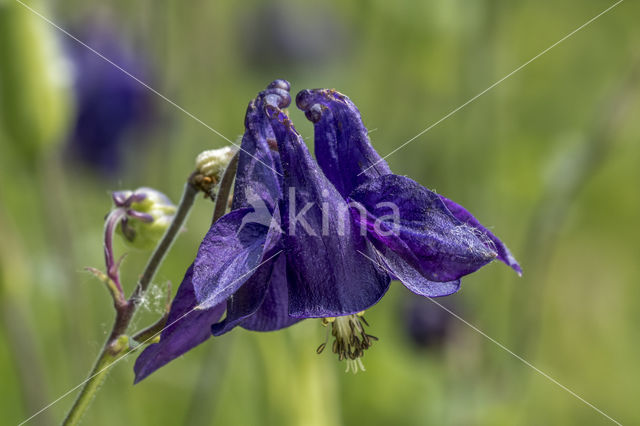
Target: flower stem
[(117, 343), (186, 202), (110, 353), (111, 223), (225, 188)]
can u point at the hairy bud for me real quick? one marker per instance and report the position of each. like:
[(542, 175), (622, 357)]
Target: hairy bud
[(210, 166)]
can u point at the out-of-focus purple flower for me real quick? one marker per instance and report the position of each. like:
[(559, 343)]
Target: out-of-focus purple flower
[(109, 103), (425, 324)]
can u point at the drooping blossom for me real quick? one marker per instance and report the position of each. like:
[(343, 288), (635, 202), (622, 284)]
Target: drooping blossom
[(327, 237)]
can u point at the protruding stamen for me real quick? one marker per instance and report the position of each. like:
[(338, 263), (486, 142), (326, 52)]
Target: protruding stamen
[(350, 339)]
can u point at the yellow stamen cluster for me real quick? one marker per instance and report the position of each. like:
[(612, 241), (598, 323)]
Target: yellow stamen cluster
[(350, 339)]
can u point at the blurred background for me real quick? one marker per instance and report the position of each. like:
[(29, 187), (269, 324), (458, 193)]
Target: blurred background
[(548, 158)]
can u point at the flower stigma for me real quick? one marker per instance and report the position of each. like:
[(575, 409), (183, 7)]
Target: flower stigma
[(350, 339)]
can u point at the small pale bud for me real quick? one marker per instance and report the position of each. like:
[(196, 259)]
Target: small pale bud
[(213, 162), (149, 214), (210, 165)]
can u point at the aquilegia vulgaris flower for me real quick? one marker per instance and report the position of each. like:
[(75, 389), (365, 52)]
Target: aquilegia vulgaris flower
[(307, 239)]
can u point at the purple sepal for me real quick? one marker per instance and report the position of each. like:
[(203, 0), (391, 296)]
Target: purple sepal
[(261, 304), (411, 278), (411, 221), (186, 328), (143, 217), (229, 255), (493, 242), (328, 271)]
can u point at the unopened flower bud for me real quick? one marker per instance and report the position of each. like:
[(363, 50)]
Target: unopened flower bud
[(148, 215), (34, 82), (210, 165)]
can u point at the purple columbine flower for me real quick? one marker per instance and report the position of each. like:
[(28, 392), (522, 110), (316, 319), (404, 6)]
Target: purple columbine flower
[(317, 240)]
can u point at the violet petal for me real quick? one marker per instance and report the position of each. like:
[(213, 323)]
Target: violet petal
[(421, 230), (230, 252), (187, 327), (259, 172), (261, 304), (504, 255), (326, 273), (273, 313)]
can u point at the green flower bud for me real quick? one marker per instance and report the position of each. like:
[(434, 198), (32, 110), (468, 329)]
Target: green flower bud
[(35, 84), (210, 165), (148, 215), (213, 162)]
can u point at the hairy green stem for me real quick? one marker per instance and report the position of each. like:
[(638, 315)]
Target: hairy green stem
[(186, 202), (111, 352), (117, 344)]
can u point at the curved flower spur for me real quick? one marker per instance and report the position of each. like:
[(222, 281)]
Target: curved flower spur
[(333, 235)]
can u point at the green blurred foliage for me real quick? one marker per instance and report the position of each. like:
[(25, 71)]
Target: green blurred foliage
[(544, 158), (34, 82)]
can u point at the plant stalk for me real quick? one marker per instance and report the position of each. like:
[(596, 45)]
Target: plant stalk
[(117, 344), (224, 189)]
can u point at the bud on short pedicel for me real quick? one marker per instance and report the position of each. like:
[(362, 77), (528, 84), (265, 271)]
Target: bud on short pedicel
[(210, 166), (148, 215)]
